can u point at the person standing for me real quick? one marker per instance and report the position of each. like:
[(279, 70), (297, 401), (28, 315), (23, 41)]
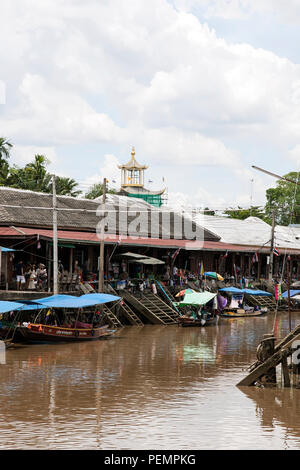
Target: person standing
[(20, 274)]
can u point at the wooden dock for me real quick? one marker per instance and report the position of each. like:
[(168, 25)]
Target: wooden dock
[(285, 354)]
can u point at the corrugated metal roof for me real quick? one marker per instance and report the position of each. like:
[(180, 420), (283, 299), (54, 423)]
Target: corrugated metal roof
[(81, 214)]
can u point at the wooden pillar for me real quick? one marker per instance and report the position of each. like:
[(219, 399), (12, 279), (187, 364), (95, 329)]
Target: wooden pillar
[(285, 371), (249, 265), (233, 264), (259, 267), (71, 261), (49, 256), (6, 280), (242, 264)]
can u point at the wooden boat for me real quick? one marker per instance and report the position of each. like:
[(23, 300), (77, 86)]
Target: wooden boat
[(243, 314), (195, 302), (47, 333), (56, 325), (188, 321)]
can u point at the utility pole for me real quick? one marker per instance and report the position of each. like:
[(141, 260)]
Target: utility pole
[(289, 292), (55, 254), (270, 277), (101, 260)]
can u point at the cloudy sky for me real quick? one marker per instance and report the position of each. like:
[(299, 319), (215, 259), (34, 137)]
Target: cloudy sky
[(202, 88)]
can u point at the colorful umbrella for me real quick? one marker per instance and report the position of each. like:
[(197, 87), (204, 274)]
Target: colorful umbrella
[(216, 276), (182, 292)]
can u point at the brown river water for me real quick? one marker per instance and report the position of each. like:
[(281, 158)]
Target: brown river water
[(151, 387)]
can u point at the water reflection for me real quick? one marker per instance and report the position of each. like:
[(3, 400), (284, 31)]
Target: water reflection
[(149, 387)]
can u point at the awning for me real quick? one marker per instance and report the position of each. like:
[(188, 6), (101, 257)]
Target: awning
[(151, 261), (197, 298), (63, 245), (133, 255), (71, 236)]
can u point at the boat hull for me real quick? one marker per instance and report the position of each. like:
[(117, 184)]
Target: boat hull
[(54, 334), (185, 322), (243, 315)]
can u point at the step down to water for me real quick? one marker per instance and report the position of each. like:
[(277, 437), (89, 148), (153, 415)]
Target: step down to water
[(153, 308), (111, 318), (128, 313)]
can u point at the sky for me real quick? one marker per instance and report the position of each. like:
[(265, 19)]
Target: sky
[(203, 89)]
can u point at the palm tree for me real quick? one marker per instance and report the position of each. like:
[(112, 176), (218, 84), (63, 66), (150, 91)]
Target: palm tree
[(5, 147), (97, 190), (33, 176), (66, 187)]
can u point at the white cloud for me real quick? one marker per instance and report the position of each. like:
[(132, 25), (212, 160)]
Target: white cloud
[(147, 74), (20, 155), (108, 170), (2, 92)]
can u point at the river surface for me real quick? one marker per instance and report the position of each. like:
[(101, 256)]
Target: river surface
[(151, 387)]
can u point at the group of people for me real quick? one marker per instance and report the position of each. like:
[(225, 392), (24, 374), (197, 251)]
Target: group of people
[(31, 277)]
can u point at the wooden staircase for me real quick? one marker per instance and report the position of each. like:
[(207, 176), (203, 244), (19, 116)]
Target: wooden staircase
[(166, 295), (111, 318), (130, 314), (262, 301), (125, 308), (153, 307)]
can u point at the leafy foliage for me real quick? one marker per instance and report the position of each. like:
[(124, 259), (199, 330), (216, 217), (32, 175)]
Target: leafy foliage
[(281, 199), (5, 147), (242, 214), (34, 176), (97, 191)]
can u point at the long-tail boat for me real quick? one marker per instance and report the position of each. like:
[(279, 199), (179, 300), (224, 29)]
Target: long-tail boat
[(197, 314), (54, 322), (237, 307)]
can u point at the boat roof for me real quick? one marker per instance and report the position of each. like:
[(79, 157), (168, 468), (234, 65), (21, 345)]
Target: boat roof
[(235, 290), (60, 301), (197, 298)]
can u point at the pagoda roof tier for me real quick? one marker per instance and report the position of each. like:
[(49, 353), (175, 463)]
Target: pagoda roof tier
[(133, 164), (132, 189)]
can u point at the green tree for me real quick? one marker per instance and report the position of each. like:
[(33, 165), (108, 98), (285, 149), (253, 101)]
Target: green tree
[(282, 199), (242, 214), (5, 147), (66, 187), (35, 177), (97, 190)]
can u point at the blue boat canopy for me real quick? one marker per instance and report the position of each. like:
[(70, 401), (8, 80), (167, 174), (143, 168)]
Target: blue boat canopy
[(292, 293), (70, 301), (59, 301), (6, 306), (256, 292), (235, 290)]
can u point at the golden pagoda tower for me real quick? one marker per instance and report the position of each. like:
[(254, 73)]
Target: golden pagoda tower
[(132, 182)]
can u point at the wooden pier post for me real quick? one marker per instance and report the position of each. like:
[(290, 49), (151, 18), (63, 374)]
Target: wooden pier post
[(285, 371)]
